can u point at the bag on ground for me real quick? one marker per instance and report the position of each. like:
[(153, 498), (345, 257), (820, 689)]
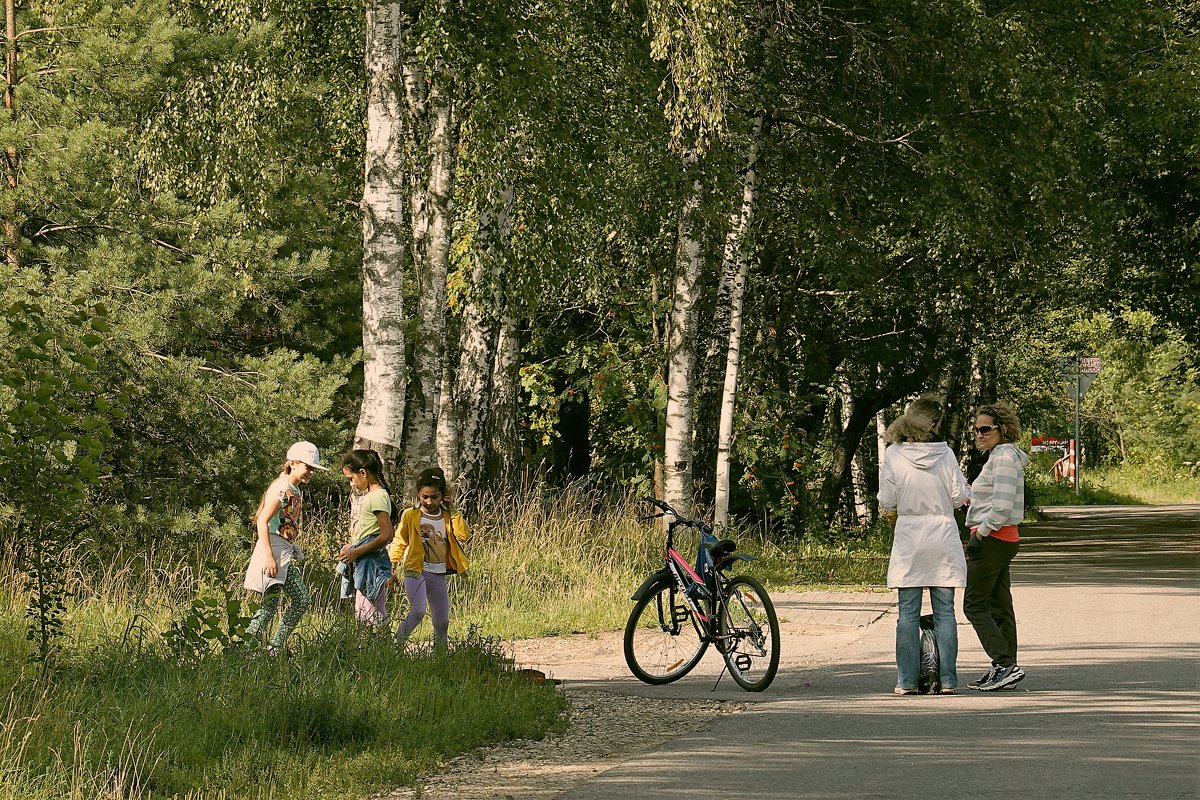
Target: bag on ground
[(930, 680)]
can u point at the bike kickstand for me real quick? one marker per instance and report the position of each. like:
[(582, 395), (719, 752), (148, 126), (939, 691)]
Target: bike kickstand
[(724, 669)]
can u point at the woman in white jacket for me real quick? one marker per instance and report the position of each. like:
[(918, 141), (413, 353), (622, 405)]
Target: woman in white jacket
[(920, 486)]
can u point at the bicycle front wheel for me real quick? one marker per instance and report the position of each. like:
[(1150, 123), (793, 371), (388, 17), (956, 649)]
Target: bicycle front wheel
[(749, 634), (663, 639)]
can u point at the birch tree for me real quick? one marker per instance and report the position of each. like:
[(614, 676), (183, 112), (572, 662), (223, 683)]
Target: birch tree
[(735, 269), (12, 157), (478, 368), (385, 250), (431, 174), (678, 446), (701, 42)]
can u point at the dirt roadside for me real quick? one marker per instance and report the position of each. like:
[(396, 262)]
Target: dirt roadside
[(606, 706)]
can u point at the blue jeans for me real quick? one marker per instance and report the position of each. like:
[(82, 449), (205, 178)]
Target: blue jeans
[(908, 636)]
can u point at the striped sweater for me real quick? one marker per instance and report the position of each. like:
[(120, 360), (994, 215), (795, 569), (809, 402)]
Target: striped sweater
[(998, 494)]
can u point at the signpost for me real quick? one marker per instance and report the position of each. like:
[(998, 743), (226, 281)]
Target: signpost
[(1079, 372)]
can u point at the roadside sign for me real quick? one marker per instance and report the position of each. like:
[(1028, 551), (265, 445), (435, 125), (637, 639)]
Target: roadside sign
[(1079, 373), (1043, 444)]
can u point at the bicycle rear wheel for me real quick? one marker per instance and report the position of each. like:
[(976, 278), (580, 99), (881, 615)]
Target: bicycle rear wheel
[(749, 634), (663, 639)]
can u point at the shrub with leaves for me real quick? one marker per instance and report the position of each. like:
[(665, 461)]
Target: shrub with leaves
[(53, 433), (215, 622)]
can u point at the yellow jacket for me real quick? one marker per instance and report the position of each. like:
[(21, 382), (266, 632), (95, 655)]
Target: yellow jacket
[(408, 552)]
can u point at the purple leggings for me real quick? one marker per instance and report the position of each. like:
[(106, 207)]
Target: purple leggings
[(427, 590)]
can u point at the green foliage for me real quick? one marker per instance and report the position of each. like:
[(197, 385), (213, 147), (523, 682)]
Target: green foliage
[(346, 714), (701, 42), (54, 429), (216, 622), (230, 329)]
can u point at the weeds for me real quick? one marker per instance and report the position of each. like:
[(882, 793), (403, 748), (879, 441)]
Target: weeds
[(154, 698)]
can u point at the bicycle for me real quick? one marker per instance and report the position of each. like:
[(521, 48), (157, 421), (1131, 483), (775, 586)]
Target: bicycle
[(680, 610)]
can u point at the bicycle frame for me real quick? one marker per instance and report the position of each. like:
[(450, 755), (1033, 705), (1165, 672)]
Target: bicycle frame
[(706, 604), (698, 591)]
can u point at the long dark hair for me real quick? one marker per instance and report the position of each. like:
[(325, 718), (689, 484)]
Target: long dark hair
[(368, 461), (434, 478)]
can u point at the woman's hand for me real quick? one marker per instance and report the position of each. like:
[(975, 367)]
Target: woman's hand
[(271, 568)]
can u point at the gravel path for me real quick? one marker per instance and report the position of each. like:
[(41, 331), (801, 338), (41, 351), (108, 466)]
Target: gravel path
[(612, 717)]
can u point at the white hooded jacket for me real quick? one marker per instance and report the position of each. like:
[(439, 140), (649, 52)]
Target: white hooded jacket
[(922, 483)]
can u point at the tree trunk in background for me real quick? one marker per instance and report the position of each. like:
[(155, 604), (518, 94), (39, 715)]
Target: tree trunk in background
[(432, 123), (504, 462), (735, 272), (956, 405), (12, 159), (446, 435), (844, 445), (478, 352), (856, 488), (385, 255), (881, 423), (681, 354)]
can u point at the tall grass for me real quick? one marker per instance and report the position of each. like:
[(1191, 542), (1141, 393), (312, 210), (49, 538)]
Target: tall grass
[(568, 561), (552, 563), (1152, 484), (345, 713), (1129, 484)]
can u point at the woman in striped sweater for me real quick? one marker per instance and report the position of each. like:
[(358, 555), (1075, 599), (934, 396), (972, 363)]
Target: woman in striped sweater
[(997, 508)]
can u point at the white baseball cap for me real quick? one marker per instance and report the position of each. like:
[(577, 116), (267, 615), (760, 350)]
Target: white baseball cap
[(305, 453)]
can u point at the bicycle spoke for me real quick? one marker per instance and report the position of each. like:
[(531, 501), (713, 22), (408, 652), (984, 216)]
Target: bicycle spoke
[(662, 638), (749, 634)]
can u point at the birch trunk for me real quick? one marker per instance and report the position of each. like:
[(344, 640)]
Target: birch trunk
[(846, 406), (431, 114), (446, 435), (478, 343), (12, 158), (881, 423), (735, 271), (681, 356), (505, 459), (381, 419)]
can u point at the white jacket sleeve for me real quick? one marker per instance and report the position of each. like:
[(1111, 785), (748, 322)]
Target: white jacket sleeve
[(887, 483)]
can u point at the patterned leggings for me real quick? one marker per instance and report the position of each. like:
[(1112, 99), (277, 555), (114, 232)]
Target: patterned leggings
[(299, 601)]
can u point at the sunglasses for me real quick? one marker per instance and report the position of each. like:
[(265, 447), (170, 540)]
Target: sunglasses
[(984, 430)]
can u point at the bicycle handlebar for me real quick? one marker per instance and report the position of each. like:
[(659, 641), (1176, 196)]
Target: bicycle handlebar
[(678, 519)]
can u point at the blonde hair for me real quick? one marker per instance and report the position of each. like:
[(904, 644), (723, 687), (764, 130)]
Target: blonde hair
[(1004, 416), (917, 422)]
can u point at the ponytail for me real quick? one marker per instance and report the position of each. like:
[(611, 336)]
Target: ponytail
[(369, 461)]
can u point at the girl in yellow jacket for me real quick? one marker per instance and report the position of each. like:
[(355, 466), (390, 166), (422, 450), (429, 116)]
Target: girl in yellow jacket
[(427, 548)]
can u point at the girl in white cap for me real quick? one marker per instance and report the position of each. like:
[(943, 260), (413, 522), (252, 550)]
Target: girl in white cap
[(276, 552)]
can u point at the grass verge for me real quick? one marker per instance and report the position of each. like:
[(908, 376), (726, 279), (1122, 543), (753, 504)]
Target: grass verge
[(1119, 485), (344, 714)]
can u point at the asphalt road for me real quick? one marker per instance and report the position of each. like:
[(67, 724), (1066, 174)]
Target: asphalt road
[(1109, 623)]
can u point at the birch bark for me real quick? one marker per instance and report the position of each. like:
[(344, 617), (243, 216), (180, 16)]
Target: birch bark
[(678, 445), (735, 271), (12, 158), (478, 342), (432, 121), (505, 460), (385, 257)]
